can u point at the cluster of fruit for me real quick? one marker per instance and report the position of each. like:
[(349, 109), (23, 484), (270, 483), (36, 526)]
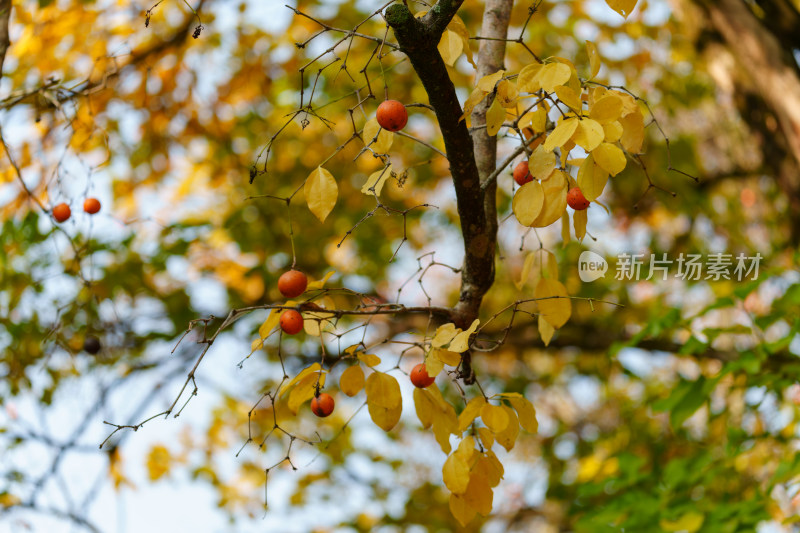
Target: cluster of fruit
[(575, 198), (62, 212)]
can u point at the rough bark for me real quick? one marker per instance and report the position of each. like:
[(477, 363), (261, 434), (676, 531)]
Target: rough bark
[(491, 55), (775, 75), (418, 39), (763, 47)]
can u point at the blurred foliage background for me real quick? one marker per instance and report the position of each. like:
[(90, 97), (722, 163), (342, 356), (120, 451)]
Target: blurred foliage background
[(676, 412)]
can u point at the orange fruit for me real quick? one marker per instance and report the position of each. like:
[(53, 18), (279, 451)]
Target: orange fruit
[(322, 405), (91, 205), (291, 322), (292, 283), (576, 200), (61, 212), (420, 377), (522, 174), (392, 115)]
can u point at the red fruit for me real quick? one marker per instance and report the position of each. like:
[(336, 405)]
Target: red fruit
[(522, 174), (322, 405), (392, 115), (292, 283), (291, 322), (91, 205), (61, 212), (420, 377), (576, 200)]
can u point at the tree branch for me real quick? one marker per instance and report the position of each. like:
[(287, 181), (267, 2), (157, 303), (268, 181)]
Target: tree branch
[(418, 39)]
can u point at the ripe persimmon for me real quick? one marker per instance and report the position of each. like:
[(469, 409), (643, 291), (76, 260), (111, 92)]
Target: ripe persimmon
[(291, 322), (576, 200), (292, 283), (61, 212), (420, 377), (91, 205), (322, 405), (522, 174), (392, 115)]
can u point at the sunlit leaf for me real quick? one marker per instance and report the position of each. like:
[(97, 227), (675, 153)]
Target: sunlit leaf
[(623, 7), (561, 134), (526, 414), (470, 412), (495, 117), (553, 300), (376, 180), (553, 75), (528, 202), (450, 47), (383, 138), (610, 158), (591, 179), (589, 134), (460, 342), (541, 163), (494, 417), (352, 380), (321, 193), (594, 58)]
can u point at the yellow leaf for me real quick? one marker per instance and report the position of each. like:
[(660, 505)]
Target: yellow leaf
[(455, 474), (526, 413), (320, 283), (304, 390), (444, 425), (494, 417), (315, 321), (565, 234), (466, 450), (541, 163), (690, 522), (470, 412), (507, 93), (487, 437), (321, 193), (369, 359), (448, 357), (610, 158), (495, 117), (479, 494), (555, 199), (270, 323), (474, 99), (352, 380), (314, 368), (450, 47), (613, 132), (489, 468), (460, 342), (579, 220), (623, 7), (376, 181), (536, 120), (554, 302), (589, 134), (383, 417), (541, 264), (569, 98), (462, 511), (158, 462), (425, 407), (457, 25), (633, 132), (546, 331), (594, 58), (433, 365), (377, 138), (591, 179), (444, 334), (561, 134), (383, 391), (487, 83), (9, 500), (607, 109), (528, 78), (508, 436), (553, 75), (528, 202)]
